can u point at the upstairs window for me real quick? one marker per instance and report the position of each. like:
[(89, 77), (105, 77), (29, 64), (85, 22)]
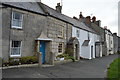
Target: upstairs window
[(60, 32), (17, 19), (78, 33)]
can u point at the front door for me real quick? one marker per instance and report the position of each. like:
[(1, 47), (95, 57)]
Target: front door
[(42, 50)]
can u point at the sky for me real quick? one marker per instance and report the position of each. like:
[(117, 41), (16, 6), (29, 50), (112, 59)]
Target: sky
[(104, 10)]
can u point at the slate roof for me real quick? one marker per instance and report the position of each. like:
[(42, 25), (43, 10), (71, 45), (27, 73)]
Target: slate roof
[(96, 28), (52, 12), (30, 6), (46, 10)]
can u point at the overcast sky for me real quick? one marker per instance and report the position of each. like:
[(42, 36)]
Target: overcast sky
[(104, 10)]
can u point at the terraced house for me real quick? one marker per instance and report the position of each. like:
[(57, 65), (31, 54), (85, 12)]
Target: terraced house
[(30, 27), (87, 38), (33, 28)]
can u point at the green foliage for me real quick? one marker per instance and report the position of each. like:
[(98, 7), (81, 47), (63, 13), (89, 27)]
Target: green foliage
[(12, 63), (66, 56), (69, 51), (60, 56), (28, 60), (113, 70), (71, 57), (23, 60)]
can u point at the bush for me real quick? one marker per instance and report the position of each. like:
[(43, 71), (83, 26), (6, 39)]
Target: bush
[(28, 60), (72, 58), (68, 51), (66, 56), (12, 63), (23, 60), (60, 56)]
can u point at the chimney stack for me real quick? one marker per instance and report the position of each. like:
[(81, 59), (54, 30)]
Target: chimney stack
[(115, 34), (93, 19), (105, 27), (98, 23), (81, 18), (88, 20), (58, 8)]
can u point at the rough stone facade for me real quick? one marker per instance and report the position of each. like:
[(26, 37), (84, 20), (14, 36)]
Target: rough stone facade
[(54, 26), (32, 27)]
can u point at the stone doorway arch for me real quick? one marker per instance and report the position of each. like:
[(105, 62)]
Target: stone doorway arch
[(73, 45)]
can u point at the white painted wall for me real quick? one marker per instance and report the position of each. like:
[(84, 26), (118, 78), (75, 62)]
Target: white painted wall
[(85, 51)]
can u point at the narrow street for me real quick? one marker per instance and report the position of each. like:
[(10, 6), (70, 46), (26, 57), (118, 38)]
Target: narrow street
[(95, 68)]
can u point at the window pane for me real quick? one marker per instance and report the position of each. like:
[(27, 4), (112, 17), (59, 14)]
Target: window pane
[(15, 51), (16, 47), (60, 47), (15, 23), (16, 43), (17, 19), (17, 16)]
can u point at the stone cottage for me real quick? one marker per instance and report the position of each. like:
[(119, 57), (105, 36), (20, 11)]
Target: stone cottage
[(30, 27)]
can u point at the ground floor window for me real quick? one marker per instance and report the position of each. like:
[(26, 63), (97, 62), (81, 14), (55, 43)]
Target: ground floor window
[(60, 48), (15, 48)]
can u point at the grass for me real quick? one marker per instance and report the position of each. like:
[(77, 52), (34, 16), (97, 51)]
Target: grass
[(114, 69)]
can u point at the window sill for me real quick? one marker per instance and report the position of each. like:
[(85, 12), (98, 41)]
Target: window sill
[(16, 27), (60, 53), (60, 37), (15, 56)]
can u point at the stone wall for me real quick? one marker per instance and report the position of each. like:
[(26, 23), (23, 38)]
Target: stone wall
[(33, 24), (54, 25)]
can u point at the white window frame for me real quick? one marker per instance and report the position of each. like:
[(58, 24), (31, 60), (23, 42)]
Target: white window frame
[(11, 50), (18, 27), (62, 32)]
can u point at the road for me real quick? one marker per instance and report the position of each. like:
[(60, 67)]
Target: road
[(95, 68)]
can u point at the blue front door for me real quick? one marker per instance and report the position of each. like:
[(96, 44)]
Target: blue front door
[(42, 50)]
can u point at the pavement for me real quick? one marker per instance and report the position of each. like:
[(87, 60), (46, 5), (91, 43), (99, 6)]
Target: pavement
[(95, 68)]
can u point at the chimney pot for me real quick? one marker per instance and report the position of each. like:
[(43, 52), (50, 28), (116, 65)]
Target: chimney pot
[(115, 34), (59, 8), (94, 19), (80, 16)]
